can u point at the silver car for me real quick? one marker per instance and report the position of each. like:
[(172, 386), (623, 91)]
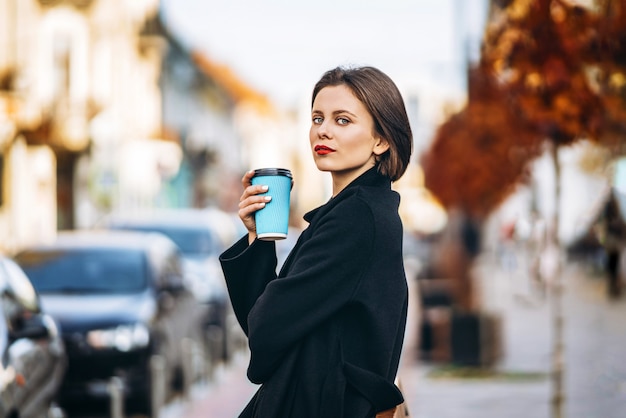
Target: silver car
[(33, 355)]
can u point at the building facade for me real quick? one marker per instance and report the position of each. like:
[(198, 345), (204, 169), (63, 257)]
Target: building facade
[(80, 114)]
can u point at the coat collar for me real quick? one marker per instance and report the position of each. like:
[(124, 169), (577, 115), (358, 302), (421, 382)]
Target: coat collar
[(371, 178)]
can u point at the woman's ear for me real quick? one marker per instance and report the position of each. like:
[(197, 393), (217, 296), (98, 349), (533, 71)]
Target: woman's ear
[(381, 146)]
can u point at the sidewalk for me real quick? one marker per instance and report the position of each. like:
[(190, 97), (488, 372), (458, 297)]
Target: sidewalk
[(594, 345), (223, 397), (595, 367)]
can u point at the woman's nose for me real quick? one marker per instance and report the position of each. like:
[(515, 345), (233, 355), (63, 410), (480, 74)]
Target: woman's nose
[(322, 130)]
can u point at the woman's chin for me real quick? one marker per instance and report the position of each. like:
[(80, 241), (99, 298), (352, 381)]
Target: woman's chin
[(322, 166)]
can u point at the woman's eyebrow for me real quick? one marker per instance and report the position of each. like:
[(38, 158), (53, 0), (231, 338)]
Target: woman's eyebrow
[(335, 112), (341, 111)]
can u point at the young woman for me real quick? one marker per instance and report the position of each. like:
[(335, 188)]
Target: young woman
[(326, 334)]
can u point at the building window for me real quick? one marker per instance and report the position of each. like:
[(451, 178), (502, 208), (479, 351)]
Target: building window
[(1, 180), (61, 67)]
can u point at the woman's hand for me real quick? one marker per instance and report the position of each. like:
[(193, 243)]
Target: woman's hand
[(250, 202)]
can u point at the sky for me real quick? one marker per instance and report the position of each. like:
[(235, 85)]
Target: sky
[(282, 47)]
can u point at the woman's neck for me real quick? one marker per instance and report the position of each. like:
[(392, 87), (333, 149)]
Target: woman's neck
[(342, 179)]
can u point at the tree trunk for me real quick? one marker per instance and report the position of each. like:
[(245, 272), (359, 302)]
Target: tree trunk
[(556, 294)]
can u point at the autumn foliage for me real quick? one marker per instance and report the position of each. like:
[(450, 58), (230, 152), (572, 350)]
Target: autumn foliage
[(480, 153), (549, 70)]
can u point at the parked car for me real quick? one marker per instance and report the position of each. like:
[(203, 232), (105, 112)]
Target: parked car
[(120, 300), (201, 235), (33, 354)]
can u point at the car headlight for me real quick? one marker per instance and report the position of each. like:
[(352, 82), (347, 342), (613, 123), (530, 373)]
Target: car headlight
[(124, 337)]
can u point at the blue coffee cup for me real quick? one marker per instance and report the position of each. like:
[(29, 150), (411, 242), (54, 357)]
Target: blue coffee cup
[(272, 222)]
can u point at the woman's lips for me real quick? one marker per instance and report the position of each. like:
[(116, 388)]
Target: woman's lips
[(323, 150)]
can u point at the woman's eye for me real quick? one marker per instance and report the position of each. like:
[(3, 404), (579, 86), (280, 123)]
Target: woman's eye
[(317, 120), (342, 121)]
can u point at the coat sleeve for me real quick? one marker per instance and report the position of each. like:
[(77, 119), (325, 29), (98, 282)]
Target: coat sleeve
[(323, 277), (247, 270)]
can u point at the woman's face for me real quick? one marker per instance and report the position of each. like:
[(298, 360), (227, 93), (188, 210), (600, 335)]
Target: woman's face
[(342, 135)]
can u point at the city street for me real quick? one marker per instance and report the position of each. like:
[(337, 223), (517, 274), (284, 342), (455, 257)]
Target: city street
[(129, 134), (595, 373)]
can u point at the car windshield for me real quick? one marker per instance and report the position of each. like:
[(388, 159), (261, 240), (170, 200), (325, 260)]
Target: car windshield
[(85, 271), (191, 241)]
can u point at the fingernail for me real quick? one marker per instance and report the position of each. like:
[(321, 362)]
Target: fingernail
[(268, 198), (264, 188)]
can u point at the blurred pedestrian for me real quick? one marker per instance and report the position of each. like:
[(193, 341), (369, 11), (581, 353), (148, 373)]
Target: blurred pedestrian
[(611, 231), (326, 334)]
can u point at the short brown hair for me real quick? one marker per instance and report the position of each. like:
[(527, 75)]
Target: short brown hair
[(383, 100)]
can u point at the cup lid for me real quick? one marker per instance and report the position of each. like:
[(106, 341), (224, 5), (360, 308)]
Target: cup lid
[(273, 172)]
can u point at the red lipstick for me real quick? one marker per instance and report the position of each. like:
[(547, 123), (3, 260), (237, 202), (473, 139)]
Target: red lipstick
[(323, 150)]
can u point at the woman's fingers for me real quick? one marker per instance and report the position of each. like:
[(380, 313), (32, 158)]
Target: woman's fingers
[(251, 200), (247, 179), (248, 188), (248, 207), (252, 191), (252, 203)]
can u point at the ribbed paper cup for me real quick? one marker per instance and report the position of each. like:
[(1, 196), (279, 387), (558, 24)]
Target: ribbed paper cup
[(272, 222)]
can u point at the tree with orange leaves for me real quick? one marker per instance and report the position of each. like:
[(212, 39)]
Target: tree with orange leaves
[(480, 154), (551, 72)]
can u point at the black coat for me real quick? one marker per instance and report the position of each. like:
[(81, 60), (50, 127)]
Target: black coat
[(326, 335)]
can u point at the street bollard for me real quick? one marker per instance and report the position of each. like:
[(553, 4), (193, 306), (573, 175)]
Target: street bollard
[(209, 362), (198, 361), (215, 341), (116, 396), (239, 341), (187, 364), (157, 372)]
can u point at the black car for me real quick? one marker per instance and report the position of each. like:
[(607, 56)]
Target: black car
[(121, 302), (33, 354), (201, 235)]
